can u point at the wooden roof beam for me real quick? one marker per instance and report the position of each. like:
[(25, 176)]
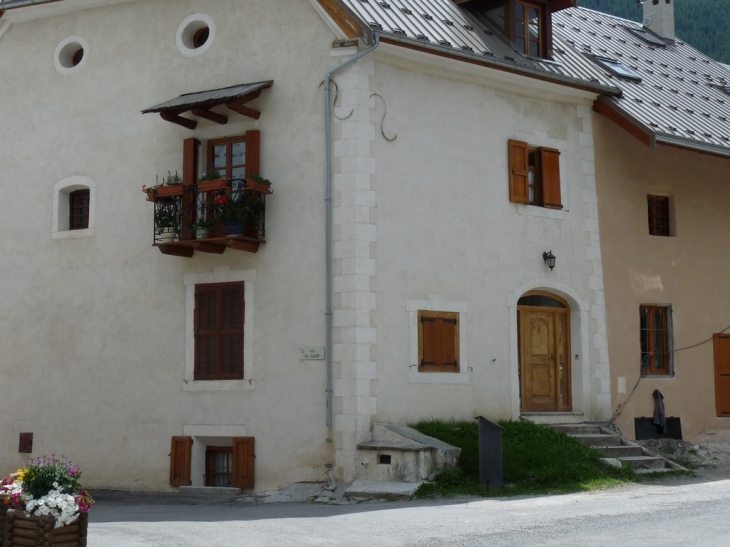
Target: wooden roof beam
[(173, 117), (210, 115), (244, 110)]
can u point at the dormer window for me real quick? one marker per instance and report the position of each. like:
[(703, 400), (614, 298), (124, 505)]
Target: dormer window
[(529, 27)]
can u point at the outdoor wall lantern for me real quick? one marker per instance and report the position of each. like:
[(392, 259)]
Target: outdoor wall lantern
[(549, 259)]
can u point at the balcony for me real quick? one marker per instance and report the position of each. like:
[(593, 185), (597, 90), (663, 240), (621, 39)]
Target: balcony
[(210, 216)]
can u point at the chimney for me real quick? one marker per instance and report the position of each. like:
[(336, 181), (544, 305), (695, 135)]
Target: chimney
[(659, 17)]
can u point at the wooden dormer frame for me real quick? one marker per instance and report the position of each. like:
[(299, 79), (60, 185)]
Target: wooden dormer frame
[(547, 7)]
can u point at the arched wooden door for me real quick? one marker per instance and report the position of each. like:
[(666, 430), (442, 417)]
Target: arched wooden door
[(543, 323)]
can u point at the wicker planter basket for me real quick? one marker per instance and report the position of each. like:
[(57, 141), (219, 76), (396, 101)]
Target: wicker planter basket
[(20, 530)]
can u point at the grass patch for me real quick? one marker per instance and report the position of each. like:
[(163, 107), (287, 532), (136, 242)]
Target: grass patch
[(537, 460)]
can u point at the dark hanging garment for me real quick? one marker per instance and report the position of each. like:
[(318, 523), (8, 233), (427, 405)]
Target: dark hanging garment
[(660, 417)]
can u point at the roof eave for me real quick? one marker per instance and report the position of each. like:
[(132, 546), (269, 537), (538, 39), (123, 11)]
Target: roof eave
[(583, 85), (702, 147)]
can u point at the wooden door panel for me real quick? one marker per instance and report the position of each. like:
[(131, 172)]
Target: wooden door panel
[(538, 361), (565, 402)]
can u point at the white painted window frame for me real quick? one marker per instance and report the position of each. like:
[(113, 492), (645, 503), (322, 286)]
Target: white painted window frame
[(61, 196)]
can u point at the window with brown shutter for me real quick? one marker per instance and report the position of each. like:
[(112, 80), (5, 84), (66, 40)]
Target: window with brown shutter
[(721, 343), (534, 175), (180, 456), (438, 341), (219, 318)]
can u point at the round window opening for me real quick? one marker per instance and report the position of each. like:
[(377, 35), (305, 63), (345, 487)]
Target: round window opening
[(195, 34), (71, 55), (201, 37)]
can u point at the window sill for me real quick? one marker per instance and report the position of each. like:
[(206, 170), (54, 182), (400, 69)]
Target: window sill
[(542, 212), (219, 385), (664, 376), (73, 234), (444, 378)]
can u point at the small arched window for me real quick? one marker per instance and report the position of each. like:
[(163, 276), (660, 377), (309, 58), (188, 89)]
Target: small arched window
[(74, 207)]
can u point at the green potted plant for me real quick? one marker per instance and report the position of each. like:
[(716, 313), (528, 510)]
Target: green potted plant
[(258, 184), (211, 181), (166, 224), (201, 229), (171, 186)]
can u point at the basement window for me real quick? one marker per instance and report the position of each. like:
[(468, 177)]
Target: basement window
[(617, 69)]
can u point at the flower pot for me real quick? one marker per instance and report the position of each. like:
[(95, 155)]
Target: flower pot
[(20, 529), (257, 187), (165, 237), (150, 195), (234, 228), (212, 185), (169, 191)]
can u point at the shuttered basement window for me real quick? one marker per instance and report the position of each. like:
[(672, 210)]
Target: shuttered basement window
[(219, 317), (438, 341), (534, 175)]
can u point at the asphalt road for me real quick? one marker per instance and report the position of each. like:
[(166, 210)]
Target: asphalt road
[(667, 514)]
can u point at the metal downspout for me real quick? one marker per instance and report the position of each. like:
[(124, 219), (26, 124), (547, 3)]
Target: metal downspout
[(328, 211)]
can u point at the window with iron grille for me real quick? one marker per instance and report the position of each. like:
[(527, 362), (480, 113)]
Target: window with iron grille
[(79, 210), (658, 215), (219, 317), (218, 465), (656, 340)]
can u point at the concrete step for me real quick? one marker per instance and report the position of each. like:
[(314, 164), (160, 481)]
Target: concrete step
[(644, 471), (619, 451), (597, 439), (644, 462), (582, 429)]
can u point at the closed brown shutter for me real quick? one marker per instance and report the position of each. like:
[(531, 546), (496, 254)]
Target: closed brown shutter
[(722, 374), (550, 164), (219, 317), (180, 461), (518, 170), (253, 151), (438, 341), (243, 462)]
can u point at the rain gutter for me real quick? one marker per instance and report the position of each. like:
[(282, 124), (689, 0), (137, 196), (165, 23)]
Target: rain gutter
[(684, 142), (22, 3), (328, 210)]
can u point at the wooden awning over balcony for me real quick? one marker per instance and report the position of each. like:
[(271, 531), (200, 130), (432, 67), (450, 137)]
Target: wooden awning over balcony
[(200, 104)]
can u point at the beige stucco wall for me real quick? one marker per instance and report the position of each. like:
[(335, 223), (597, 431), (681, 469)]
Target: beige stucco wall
[(92, 335), (687, 270)]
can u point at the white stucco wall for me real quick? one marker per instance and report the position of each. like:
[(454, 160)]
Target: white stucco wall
[(436, 231), (93, 335)]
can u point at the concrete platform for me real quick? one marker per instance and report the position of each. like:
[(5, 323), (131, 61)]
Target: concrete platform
[(369, 489)]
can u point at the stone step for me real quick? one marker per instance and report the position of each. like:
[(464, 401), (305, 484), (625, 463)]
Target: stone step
[(619, 451), (393, 446), (644, 462), (583, 429), (645, 471), (597, 439)]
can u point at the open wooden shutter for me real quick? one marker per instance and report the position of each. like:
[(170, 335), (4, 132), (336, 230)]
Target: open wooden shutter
[(189, 176), (180, 455), (243, 462), (253, 152), (550, 166), (438, 341), (518, 171), (722, 374)]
